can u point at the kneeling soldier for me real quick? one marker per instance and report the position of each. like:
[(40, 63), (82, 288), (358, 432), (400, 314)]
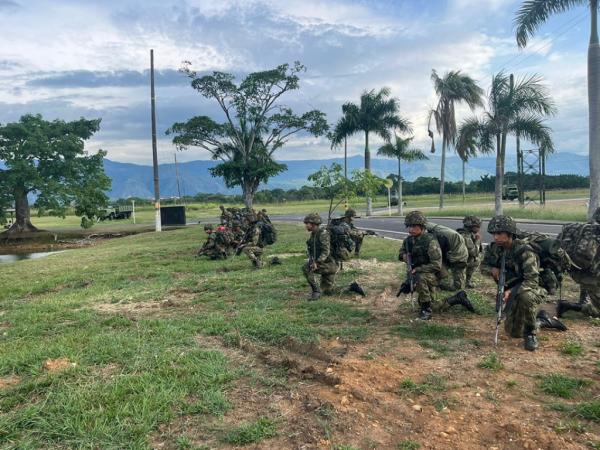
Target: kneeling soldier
[(522, 292), (320, 261)]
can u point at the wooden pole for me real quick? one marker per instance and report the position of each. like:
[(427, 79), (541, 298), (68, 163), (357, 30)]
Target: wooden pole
[(158, 226)]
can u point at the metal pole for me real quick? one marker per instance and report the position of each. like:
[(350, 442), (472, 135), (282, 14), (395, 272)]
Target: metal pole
[(133, 210), (389, 202), (158, 226), (177, 177)]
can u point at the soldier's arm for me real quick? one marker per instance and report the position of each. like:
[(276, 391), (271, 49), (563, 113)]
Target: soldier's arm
[(403, 251), (325, 245), (435, 259), (255, 237), (531, 270), (490, 261)]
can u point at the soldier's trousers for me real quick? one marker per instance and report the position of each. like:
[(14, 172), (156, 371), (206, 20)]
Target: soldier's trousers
[(520, 315), (455, 278), (327, 270), (472, 266), (425, 287), (358, 241), (592, 286), (254, 253)]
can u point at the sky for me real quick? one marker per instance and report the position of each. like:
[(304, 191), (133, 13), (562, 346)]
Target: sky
[(67, 59)]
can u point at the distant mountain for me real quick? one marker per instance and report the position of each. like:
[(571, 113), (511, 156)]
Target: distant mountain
[(133, 180)]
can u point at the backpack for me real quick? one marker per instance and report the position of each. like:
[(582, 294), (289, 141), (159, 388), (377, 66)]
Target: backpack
[(342, 244), (581, 241), (268, 233)]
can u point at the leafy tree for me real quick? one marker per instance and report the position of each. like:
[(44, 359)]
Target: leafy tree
[(376, 114), (334, 184), (531, 15), (513, 108), (47, 160), (255, 125), (401, 150), (452, 88)]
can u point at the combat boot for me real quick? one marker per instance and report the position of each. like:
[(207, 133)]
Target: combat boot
[(531, 342), (460, 298), (315, 295), (545, 321), (564, 306), (425, 313), (355, 287)]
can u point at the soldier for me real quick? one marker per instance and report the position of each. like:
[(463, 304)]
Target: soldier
[(472, 237), (237, 234), (454, 256), (252, 246), (522, 291), (262, 215), (320, 260), (226, 216), (589, 285), (355, 234), (212, 248)]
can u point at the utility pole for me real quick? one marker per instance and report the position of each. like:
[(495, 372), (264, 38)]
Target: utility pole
[(158, 226), (177, 177)]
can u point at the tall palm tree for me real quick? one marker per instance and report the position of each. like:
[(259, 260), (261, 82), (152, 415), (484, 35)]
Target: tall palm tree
[(451, 89), (513, 108), (466, 145), (402, 151), (378, 114), (531, 15), (341, 131)]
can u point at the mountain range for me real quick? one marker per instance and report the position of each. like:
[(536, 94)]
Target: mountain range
[(135, 180)]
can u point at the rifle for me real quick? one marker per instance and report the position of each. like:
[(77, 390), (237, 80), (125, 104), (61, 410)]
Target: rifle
[(500, 296), (411, 281), (370, 233)]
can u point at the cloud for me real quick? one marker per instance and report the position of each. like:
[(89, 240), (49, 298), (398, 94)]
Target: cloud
[(9, 6), (119, 78)]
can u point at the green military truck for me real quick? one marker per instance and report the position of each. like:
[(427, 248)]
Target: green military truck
[(510, 192), (116, 212)]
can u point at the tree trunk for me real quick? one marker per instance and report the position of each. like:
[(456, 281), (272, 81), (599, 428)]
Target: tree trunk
[(368, 169), (594, 110), (22, 216), (248, 191), (400, 201), (463, 181), (443, 173), (499, 177)]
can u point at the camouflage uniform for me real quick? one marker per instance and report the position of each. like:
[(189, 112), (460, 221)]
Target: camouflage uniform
[(355, 234), (522, 277), (226, 216), (319, 251), (237, 234), (473, 244), (426, 258), (253, 247), (455, 256), (212, 247)]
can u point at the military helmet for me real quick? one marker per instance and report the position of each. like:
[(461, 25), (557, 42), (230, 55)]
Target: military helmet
[(471, 221), (596, 215), (251, 217), (207, 227), (501, 224), (350, 213), (236, 223), (415, 218), (314, 218)]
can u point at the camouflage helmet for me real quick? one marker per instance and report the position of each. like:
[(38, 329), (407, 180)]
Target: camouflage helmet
[(350, 213), (415, 218), (236, 224), (208, 227), (596, 215), (313, 218), (501, 224), (471, 221)]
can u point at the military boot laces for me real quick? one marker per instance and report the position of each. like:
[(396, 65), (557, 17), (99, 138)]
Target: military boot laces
[(460, 298), (545, 321), (531, 342), (564, 306), (425, 313)]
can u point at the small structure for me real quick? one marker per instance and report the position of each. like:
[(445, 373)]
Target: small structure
[(172, 215)]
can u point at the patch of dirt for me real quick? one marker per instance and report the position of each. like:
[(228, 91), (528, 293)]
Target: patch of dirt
[(57, 365), (176, 300), (9, 381), (286, 255)]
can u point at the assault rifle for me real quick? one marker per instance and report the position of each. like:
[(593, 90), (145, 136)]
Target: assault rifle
[(500, 296), (409, 285)]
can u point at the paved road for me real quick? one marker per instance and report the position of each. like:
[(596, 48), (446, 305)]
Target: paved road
[(393, 227)]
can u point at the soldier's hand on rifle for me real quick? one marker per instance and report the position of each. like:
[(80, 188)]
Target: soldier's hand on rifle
[(506, 296), (313, 266), (496, 273), (414, 271)]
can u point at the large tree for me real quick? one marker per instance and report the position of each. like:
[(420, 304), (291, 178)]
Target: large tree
[(513, 108), (47, 160), (378, 114), (531, 15), (402, 151), (451, 89), (255, 125)]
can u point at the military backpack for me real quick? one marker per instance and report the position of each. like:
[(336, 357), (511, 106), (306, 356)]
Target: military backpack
[(342, 244), (581, 241), (268, 233)]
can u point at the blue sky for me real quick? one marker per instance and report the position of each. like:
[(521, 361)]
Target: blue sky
[(66, 59)]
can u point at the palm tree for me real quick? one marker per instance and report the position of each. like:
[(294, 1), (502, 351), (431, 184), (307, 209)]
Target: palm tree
[(513, 108), (402, 151), (452, 88), (466, 145), (378, 113), (341, 131), (531, 15)]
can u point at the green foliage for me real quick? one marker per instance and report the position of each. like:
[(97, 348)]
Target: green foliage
[(408, 444), (561, 386), (431, 331), (331, 181), (571, 348), (431, 383), (491, 362), (250, 433), (256, 124), (583, 410)]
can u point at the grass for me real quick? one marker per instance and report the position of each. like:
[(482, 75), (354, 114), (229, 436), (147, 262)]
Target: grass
[(431, 383), (443, 339), (558, 385), (582, 410), (571, 348), (408, 444), (491, 362), (250, 433)]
